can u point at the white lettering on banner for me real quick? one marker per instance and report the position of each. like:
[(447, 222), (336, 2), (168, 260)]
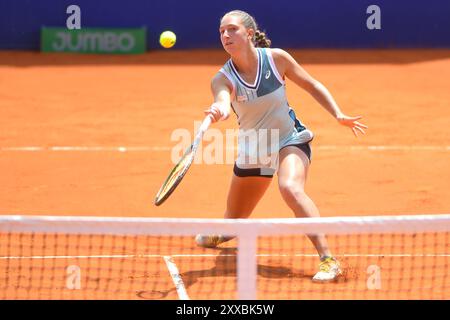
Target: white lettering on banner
[(126, 37), (109, 42), (73, 45), (91, 41), (60, 46), (74, 20), (94, 41), (374, 21)]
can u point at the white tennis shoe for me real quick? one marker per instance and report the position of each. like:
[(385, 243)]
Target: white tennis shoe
[(329, 270)]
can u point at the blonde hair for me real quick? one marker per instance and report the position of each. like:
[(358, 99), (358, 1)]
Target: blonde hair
[(259, 39)]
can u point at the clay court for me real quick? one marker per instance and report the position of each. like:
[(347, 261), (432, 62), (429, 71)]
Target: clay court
[(91, 135)]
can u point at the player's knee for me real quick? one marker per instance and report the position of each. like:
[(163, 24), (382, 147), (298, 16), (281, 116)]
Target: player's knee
[(292, 190)]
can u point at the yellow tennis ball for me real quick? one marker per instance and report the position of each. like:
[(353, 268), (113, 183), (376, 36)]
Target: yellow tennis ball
[(167, 39)]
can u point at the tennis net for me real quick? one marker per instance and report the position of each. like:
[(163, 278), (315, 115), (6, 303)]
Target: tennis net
[(384, 257)]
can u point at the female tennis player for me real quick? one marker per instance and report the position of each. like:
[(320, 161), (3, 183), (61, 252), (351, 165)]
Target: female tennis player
[(252, 84)]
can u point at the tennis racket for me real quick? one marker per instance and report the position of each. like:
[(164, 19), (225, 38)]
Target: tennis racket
[(178, 172)]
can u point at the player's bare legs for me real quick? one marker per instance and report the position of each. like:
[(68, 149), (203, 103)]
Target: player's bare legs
[(243, 196), (292, 174)]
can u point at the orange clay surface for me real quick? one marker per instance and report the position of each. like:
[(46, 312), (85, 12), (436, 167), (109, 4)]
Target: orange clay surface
[(100, 103)]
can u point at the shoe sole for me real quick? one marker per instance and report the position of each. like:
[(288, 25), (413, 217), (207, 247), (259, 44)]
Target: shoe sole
[(337, 278)]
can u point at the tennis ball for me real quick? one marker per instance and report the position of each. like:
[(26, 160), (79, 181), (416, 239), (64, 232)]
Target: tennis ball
[(167, 39)]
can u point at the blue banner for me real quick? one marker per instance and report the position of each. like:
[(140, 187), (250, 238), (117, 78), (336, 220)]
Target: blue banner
[(290, 24)]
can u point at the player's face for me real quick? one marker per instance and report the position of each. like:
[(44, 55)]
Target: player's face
[(233, 34)]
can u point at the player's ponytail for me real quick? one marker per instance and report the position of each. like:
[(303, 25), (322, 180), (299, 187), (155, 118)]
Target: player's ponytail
[(260, 39)]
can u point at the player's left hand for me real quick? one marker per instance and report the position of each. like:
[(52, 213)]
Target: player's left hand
[(352, 123)]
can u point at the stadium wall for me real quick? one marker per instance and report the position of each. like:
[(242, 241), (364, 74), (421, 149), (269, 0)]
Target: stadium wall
[(290, 24)]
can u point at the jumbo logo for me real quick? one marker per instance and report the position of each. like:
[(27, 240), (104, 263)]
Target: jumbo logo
[(95, 41), (89, 40)]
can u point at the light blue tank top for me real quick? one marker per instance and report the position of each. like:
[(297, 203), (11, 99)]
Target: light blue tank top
[(261, 106)]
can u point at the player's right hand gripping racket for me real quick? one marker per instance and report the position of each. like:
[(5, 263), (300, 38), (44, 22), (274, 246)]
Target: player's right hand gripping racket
[(178, 172)]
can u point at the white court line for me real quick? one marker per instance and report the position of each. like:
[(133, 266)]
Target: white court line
[(84, 149), (122, 256), (168, 148), (176, 277)]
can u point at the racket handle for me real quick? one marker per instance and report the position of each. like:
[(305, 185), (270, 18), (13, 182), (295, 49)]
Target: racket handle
[(205, 124)]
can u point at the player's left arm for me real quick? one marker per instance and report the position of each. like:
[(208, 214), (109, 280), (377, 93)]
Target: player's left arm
[(288, 67)]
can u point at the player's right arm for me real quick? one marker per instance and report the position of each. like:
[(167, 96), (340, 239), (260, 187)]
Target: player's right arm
[(221, 90)]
